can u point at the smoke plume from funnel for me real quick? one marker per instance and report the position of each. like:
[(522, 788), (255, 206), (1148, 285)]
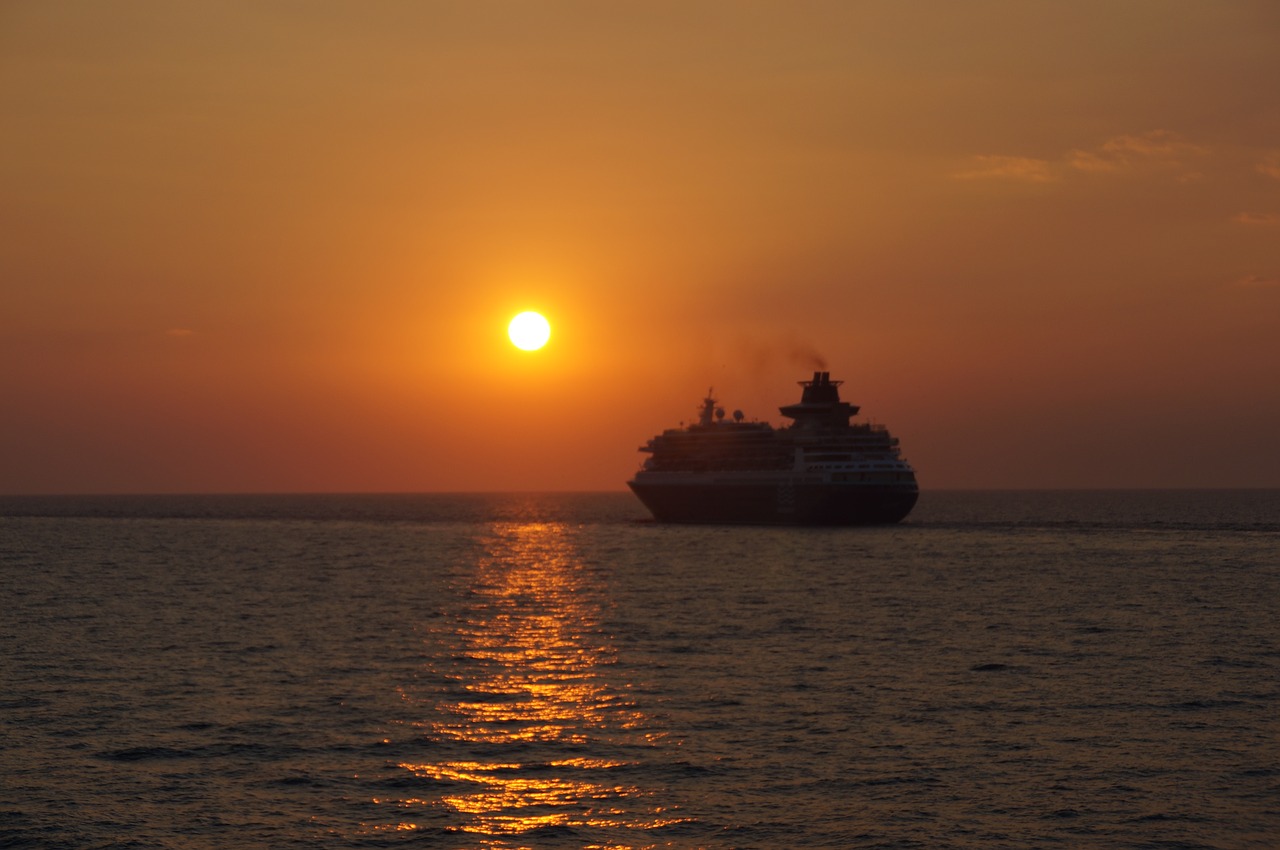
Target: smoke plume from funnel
[(802, 354), (760, 356)]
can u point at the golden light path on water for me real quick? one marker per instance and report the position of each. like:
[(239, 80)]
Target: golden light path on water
[(531, 703)]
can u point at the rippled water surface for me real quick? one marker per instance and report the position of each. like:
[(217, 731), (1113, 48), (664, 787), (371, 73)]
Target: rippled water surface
[(1002, 670)]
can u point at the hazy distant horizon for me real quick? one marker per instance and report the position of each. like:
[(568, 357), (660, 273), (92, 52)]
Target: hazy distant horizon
[(615, 492)]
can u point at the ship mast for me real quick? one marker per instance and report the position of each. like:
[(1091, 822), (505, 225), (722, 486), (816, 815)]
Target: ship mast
[(706, 414)]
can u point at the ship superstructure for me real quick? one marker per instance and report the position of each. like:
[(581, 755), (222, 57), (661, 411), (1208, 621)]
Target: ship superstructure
[(821, 469)]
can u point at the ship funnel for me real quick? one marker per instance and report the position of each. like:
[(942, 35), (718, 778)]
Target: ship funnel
[(820, 403), (821, 390)]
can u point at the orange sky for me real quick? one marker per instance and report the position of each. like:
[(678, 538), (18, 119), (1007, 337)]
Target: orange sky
[(273, 246)]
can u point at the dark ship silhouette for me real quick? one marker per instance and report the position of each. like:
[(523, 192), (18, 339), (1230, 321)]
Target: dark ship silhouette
[(819, 470)]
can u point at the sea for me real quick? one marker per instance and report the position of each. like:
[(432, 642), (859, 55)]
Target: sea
[(1001, 670)]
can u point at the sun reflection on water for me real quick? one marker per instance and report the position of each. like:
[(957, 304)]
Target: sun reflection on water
[(534, 728)]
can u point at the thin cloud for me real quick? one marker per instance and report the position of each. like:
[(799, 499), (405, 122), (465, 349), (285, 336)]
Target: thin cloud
[(1270, 164), (1258, 219), (1153, 150), (1257, 281), (1009, 168), (1156, 144), (1082, 160)]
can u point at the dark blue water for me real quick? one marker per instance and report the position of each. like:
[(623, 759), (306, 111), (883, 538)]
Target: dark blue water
[(1003, 670)]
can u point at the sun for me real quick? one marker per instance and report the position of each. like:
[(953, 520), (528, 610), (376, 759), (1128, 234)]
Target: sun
[(529, 331)]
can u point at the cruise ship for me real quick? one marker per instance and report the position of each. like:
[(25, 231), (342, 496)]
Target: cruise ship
[(821, 469)]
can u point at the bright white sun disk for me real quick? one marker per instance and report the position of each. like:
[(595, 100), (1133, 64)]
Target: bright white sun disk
[(529, 331)]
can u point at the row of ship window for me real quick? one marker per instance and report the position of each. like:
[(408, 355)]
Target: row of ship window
[(883, 477)]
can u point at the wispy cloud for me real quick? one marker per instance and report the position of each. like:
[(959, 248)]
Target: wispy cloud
[(1258, 281), (1153, 151), (1270, 164), (1009, 168), (1082, 160), (1156, 149), (1163, 145), (1258, 219)]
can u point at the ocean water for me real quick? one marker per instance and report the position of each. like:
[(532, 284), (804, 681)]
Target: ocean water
[(1002, 670)]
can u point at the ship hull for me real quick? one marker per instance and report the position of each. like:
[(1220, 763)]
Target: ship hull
[(751, 501)]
